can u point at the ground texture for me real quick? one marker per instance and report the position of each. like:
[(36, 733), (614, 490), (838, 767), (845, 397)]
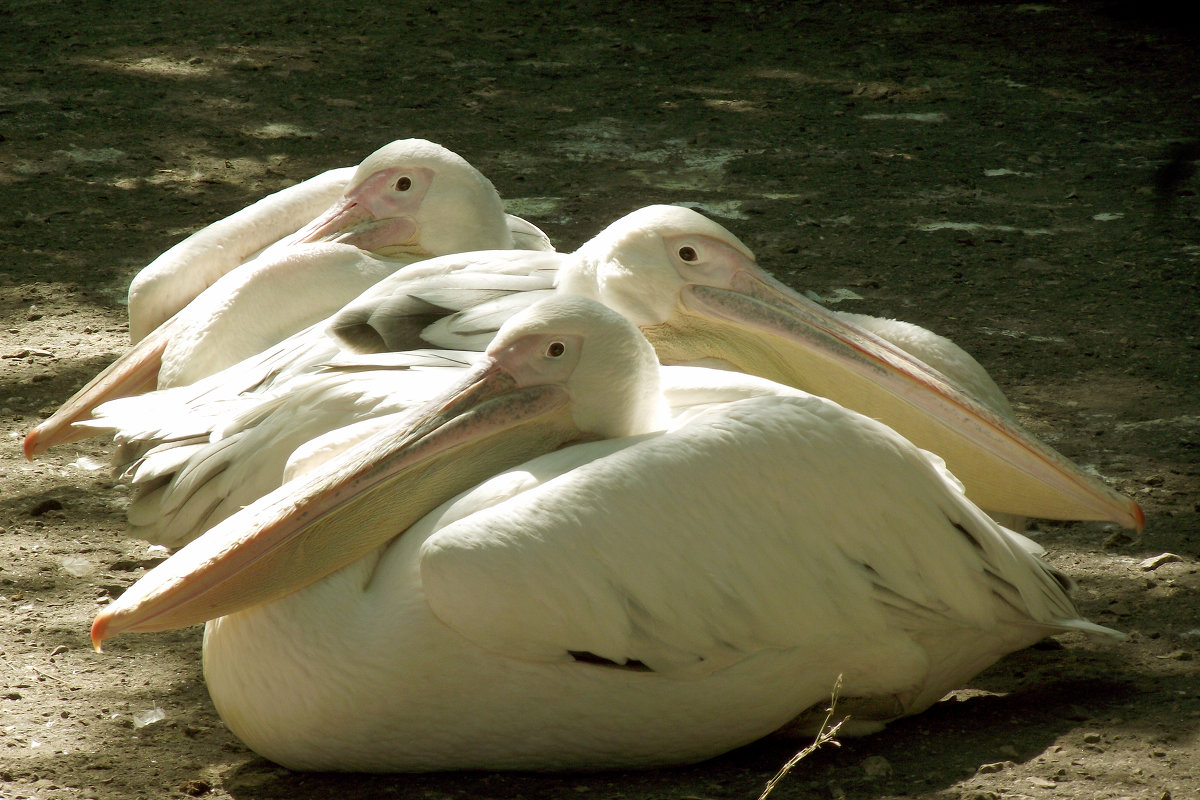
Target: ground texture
[(987, 170)]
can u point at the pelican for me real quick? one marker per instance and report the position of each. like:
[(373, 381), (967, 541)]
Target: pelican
[(691, 286), (365, 206), (626, 589), (408, 201)]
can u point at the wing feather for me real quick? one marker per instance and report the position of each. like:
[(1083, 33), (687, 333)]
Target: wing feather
[(396, 312), (773, 522)]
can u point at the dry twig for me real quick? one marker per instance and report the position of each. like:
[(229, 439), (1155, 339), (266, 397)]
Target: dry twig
[(825, 735)]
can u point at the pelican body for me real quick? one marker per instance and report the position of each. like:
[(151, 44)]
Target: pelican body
[(655, 587)]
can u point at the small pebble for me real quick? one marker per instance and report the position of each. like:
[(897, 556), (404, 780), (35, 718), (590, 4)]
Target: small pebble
[(876, 767), (1042, 783)]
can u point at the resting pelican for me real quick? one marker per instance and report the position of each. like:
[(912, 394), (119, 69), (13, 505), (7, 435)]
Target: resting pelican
[(365, 206), (669, 592), (408, 201), (686, 281)]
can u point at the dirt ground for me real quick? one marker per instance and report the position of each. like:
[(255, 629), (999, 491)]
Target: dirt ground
[(986, 170)]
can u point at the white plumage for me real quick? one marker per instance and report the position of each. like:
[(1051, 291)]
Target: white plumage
[(198, 454), (657, 597), (171, 281), (206, 304), (362, 205)]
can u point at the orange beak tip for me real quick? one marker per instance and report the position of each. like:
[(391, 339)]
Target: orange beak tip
[(99, 631), (30, 445)]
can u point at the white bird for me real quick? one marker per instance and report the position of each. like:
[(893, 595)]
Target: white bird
[(216, 455), (656, 597), (364, 206), (408, 201), (172, 280)]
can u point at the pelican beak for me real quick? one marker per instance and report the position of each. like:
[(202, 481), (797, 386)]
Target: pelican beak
[(762, 327), (347, 507), (133, 373), (351, 221)]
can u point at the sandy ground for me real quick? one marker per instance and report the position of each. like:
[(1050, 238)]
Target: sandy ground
[(986, 170)]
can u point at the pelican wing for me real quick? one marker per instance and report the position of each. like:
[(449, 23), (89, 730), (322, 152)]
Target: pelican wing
[(762, 524), (527, 236), (473, 327), (184, 484), (265, 302), (398, 312)]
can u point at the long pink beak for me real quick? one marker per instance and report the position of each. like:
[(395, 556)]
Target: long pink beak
[(771, 331), (321, 521), (133, 373)]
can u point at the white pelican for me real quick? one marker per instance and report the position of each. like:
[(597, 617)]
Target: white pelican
[(690, 285), (656, 597), (369, 206), (408, 201)]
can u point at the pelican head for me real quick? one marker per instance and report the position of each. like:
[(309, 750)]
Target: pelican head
[(537, 388), (591, 350), (697, 294), (640, 264), (414, 197)]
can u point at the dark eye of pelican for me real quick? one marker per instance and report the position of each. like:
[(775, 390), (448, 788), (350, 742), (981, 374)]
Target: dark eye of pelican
[(404, 184), (688, 253), (556, 349)]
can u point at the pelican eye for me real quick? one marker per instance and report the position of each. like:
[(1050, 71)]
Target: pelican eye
[(404, 184), (688, 253), (555, 349)]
